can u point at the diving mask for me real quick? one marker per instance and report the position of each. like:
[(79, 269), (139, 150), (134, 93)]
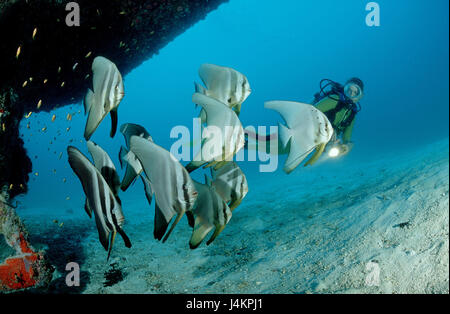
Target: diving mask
[(353, 91)]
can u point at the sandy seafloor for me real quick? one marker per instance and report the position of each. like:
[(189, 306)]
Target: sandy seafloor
[(318, 230)]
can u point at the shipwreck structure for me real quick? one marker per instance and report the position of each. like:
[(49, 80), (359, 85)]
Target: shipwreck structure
[(45, 62)]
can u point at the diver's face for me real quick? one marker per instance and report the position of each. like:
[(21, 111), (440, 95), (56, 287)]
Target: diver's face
[(353, 92)]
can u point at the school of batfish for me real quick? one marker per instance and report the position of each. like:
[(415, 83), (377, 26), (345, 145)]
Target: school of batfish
[(207, 205)]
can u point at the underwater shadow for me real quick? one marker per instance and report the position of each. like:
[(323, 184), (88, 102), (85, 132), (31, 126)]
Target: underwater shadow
[(65, 245)]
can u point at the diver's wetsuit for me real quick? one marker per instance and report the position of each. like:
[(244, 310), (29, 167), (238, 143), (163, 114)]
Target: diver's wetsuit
[(340, 111)]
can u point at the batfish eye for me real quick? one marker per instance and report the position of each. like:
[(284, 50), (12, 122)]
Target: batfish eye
[(229, 100)]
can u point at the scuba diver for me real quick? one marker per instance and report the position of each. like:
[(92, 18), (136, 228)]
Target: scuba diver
[(340, 103)]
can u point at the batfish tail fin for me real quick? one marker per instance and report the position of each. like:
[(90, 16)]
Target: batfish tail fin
[(125, 238)]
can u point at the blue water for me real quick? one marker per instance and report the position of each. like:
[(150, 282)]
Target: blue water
[(284, 48)]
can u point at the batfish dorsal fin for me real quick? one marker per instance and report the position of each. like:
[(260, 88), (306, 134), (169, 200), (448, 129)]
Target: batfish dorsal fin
[(130, 129)]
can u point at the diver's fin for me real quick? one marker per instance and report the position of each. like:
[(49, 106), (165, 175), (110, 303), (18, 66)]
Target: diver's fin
[(114, 120), (319, 150)]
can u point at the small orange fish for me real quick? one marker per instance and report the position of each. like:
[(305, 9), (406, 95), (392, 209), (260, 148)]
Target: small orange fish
[(69, 117), (28, 115), (24, 83), (88, 54), (39, 104), (45, 81), (34, 33), (53, 118), (63, 83)]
